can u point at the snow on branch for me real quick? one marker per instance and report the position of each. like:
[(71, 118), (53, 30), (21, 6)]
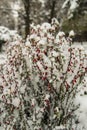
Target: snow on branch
[(39, 81)]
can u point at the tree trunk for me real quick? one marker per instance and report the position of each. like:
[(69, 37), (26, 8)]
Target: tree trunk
[(27, 16), (52, 10)]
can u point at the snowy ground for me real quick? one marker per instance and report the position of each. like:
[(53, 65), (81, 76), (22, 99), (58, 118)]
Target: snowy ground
[(2, 58), (81, 98)]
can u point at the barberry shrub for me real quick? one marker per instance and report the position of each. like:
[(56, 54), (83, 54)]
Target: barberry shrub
[(39, 80)]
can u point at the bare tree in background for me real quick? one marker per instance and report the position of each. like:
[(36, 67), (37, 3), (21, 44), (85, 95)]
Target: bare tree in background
[(27, 16), (6, 16), (53, 3)]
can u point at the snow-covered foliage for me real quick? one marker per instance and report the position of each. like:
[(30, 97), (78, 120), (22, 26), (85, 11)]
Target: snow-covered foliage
[(39, 81), (72, 6), (8, 35), (71, 33)]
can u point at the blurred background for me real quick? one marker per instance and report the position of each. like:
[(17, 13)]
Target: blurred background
[(19, 14)]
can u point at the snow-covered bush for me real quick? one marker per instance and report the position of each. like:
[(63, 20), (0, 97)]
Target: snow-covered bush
[(7, 36), (39, 81)]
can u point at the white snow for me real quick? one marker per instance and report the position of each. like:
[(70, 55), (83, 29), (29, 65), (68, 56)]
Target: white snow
[(81, 99), (61, 34), (61, 127), (16, 102), (46, 26), (72, 6), (82, 111), (55, 54), (47, 97), (8, 35), (2, 58), (65, 4), (71, 33)]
